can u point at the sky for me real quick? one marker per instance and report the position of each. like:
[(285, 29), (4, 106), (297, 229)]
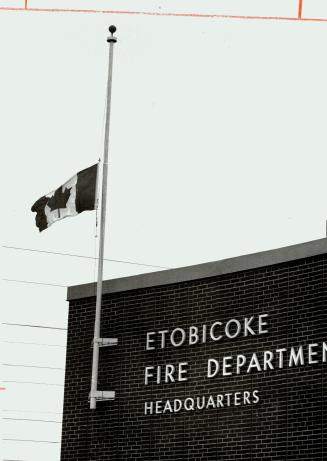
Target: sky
[(217, 149)]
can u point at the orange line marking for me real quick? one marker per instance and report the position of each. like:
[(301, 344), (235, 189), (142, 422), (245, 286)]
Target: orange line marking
[(300, 9), (150, 13)]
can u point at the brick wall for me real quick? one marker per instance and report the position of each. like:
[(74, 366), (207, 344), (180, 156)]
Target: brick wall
[(289, 421)]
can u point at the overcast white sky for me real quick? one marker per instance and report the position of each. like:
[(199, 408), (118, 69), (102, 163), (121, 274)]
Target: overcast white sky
[(218, 148)]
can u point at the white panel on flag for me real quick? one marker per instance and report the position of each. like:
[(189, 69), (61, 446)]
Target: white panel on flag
[(282, 8), (315, 9)]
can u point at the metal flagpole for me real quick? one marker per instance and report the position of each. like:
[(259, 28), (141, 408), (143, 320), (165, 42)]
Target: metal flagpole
[(98, 341)]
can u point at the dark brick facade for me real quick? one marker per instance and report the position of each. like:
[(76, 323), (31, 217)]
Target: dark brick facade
[(288, 423)]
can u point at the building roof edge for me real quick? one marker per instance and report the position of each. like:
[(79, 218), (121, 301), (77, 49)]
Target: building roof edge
[(204, 270)]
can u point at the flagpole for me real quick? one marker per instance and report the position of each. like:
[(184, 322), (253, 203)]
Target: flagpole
[(97, 341)]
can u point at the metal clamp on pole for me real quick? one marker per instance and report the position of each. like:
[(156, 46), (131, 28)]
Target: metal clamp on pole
[(104, 342), (101, 396)]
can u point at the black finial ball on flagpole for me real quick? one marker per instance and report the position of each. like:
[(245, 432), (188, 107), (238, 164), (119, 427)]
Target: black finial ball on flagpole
[(112, 30)]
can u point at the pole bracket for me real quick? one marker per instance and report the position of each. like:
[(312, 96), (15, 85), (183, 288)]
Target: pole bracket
[(104, 342), (101, 396)]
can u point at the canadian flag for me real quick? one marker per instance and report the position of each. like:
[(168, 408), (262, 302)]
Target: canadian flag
[(78, 194)]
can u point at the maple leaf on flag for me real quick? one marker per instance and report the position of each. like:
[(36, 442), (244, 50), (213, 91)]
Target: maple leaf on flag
[(59, 199)]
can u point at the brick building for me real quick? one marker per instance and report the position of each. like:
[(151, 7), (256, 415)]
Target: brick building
[(220, 361)]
